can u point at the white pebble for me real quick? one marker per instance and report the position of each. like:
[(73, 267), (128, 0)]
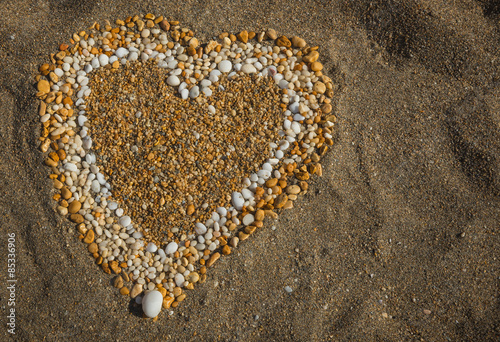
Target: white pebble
[(151, 247), (103, 59), (237, 200), (125, 221), (248, 219), (179, 280), (173, 80), (152, 303), (200, 228), (121, 52), (225, 66), (171, 248), (248, 69)]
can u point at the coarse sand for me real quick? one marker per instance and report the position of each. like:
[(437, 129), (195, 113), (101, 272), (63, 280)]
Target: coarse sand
[(398, 241)]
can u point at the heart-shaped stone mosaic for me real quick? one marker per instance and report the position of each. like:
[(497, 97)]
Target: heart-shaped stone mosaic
[(167, 153)]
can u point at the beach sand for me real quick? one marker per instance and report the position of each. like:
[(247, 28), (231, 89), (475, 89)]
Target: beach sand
[(397, 241)]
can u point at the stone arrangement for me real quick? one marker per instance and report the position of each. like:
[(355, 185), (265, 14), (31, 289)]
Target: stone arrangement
[(167, 152)]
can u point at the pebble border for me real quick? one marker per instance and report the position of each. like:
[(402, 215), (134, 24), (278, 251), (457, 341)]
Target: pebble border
[(82, 191)]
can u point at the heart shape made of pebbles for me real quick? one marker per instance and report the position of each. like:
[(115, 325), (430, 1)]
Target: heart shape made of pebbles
[(167, 154)]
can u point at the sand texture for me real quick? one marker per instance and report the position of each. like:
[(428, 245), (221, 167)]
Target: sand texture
[(398, 241)]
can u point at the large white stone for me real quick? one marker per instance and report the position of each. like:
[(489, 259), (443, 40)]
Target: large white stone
[(103, 59), (237, 200), (125, 221), (121, 52), (151, 303), (179, 280), (248, 69), (200, 228), (225, 66), (173, 81), (171, 248)]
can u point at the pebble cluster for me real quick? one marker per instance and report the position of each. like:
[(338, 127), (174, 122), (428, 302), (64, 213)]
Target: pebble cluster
[(167, 152)]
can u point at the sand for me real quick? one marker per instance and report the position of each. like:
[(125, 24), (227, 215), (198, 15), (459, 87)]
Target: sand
[(398, 241)]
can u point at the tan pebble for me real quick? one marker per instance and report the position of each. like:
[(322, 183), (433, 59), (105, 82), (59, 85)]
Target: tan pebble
[(250, 230), (288, 205), (331, 118), (271, 182), (261, 36), (118, 282), (203, 278), (303, 185), (167, 302), (165, 26), (89, 237), (50, 162), (298, 42), (140, 24), (53, 77), (93, 248), (259, 215), (136, 290), (304, 175), (319, 170), (65, 193), (42, 109), (271, 34), (124, 291), (194, 277), (226, 250), (77, 218), (213, 259), (326, 108), (319, 87), (105, 268), (194, 43), (323, 150), (61, 154), (293, 189), (177, 291), (234, 241), (284, 41), (190, 209), (115, 267), (280, 201), (163, 291), (125, 276), (210, 46), (58, 184), (43, 86), (74, 207), (311, 57), (243, 36), (82, 228), (243, 236), (316, 66), (181, 298), (62, 210), (312, 169), (54, 156), (271, 213), (45, 146)]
